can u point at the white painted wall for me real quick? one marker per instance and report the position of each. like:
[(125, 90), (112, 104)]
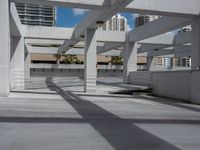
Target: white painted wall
[(140, 78), (195, 83), (171, 84)]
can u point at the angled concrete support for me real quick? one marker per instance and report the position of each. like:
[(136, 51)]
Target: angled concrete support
[(129, 59), (92, 19), (90, 73), (4, 48), (17, 63), (195, 55)]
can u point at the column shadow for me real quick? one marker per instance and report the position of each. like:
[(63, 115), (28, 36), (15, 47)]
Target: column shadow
[(121, 134)]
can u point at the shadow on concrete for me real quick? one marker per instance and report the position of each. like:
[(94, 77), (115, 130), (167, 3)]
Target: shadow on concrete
[(122, 135)]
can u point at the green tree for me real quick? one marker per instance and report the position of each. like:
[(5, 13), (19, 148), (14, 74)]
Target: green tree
[(117, 60), (71, 59)]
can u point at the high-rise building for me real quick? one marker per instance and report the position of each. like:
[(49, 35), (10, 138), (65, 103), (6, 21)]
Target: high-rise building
[(36, 15), (116, 23), (142, 19), (183, 62), (164, 62)]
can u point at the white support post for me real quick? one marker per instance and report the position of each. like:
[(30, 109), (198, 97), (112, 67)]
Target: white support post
[(195, 55), (150, 62), (17, 63), (129, 59), (27, 64), (90, 73), (4, 48)]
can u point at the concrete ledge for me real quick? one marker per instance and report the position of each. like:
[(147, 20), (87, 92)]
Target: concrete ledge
[(171, 84)]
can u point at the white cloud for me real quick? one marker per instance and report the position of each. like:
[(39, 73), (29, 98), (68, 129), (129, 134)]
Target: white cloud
[(128, 27), (134, 16), (79, 12)]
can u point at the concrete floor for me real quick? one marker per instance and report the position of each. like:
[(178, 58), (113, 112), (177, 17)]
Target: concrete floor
[(64, 120)]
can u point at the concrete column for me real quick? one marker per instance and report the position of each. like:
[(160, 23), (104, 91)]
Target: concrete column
[(174, 62), (195, 55), (27, 64), (129, 59), (150, 62), (58, 59), (90, 72), (4, 48), (17, 63)]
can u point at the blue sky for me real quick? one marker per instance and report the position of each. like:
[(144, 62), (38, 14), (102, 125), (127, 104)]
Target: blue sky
[(67, 17)]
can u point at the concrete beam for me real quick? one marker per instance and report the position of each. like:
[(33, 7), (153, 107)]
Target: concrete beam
[(164, 39), (57, 33), (43, 50), (157, 27), (43, 42), (54, 50), (73, 51), (157, 42), (150, 47), (169, 39), (39, 32), (111, 36), (161, 52), (179, 51), (182, 48), (183, 54), (174, 8), (102, 36), (83, 4), (108, 47), (112, 53)]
